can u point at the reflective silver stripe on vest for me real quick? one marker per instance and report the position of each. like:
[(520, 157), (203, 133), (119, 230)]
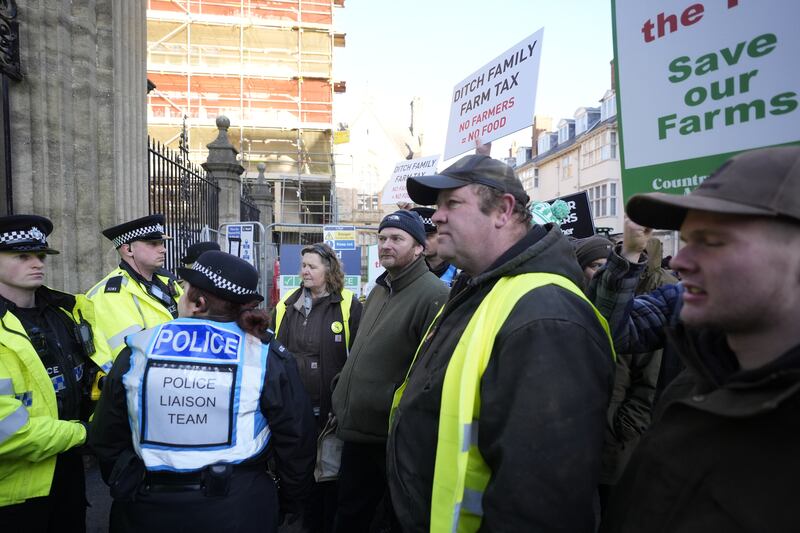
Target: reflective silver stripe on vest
[(7, 387), (456, 513), (139, 308), (473, 501), (117, 340), (11, 424), (470, 436)]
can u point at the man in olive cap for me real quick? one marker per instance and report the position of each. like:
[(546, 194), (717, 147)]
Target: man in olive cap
[(722, 454), (139, 293)]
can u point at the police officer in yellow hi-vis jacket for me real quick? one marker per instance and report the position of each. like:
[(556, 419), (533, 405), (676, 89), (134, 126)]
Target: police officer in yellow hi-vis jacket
[(139, 293), (49, 356)]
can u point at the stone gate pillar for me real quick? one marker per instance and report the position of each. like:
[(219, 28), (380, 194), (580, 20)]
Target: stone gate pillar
[(227, 171), (261, 192)]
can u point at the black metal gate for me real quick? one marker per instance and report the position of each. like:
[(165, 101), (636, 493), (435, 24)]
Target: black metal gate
[(185, 194), (248, 210)]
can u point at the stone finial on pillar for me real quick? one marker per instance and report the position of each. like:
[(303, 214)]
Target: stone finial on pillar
[(261, 193), (227, 171)]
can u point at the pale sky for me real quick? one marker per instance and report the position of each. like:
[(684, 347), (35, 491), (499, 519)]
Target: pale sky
[(400, 49)]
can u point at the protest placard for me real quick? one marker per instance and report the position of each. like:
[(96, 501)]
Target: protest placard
[(699, 82), (495, 100), (579, 222), (395, 189)]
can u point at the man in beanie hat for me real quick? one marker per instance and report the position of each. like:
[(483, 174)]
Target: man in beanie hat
[(499, 424), (194, 409), (395, 317), (722, 453), (139, 293), (441, 268), (49, 356), (592, 253)]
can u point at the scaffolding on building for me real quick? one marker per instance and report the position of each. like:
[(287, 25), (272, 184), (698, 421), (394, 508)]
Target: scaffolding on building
[(267, 66)]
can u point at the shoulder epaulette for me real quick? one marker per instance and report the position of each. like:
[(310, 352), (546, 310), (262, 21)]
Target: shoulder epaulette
[(114, 284)]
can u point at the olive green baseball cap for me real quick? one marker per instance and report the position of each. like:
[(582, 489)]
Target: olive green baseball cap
[(763, 182)]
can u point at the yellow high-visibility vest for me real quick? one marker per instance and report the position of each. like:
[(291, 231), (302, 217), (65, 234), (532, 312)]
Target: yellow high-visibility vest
[(460, 473), (31, 434), (344, 305), (123, 307)]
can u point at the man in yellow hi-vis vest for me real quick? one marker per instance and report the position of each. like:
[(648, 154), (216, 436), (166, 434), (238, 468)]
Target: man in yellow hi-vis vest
[(139, 293), (49, 357), (499, 424)]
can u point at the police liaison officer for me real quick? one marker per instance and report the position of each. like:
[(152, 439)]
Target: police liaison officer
[(194, 409), (48, 359), (139, 293)]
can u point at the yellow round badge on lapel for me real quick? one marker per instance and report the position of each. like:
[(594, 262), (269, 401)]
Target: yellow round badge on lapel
[(336, 327)]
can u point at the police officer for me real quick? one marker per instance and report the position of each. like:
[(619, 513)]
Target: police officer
[(443, 269), (195, 249), (194, 409), (139, 293), (48, 357)]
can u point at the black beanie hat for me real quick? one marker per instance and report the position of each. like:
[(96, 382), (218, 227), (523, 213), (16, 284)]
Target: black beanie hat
[(408, 221), (591, 249)]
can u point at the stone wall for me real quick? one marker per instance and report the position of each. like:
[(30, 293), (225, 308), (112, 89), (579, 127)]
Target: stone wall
[(78, 127)]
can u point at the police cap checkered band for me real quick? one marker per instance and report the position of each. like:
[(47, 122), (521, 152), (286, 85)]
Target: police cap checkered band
[(137, 234), (148, 228), (426, 213), (222, 283), (223, 275), (25, 233), (32, 235)]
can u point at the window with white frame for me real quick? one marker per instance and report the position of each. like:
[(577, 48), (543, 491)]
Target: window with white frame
[(563, 133), (603, 200), (599, 148), (609, 149), (535, 178), (581, 123), (527, 178), (368, 202), (608, 107), (543, 144), (565, 167)]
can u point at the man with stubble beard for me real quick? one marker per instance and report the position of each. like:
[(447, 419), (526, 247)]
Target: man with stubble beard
[(396, 315)]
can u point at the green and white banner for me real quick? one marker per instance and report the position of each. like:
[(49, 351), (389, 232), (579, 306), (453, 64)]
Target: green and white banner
[(698, 82)]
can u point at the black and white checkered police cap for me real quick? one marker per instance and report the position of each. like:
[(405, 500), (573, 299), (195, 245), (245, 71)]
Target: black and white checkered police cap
[(25, 233), (223, 275), (149, 228)]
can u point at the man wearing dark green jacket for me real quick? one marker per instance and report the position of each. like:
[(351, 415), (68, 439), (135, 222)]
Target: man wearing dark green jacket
[(395, 317)]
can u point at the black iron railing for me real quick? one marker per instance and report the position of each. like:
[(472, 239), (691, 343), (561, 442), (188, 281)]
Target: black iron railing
[(185, 194), (248, 211)]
